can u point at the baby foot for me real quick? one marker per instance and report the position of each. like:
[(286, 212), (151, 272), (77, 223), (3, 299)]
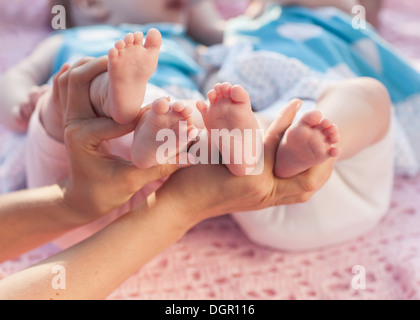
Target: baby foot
[(307, 143), (130, 66), (177, 118), (231, 114)]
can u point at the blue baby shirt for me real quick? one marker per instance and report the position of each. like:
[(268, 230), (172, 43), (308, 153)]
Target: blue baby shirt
[(324, 39), (176, 66)]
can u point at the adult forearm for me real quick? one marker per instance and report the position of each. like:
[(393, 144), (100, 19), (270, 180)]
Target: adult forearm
[(97, 266), (31, 218)]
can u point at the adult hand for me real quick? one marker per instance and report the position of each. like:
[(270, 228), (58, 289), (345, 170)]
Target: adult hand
[(98, 182), (205, 191)]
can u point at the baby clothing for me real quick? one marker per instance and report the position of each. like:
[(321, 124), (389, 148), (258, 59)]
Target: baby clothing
[(295, 52), (323, 40), (352, 202), (298, 53)]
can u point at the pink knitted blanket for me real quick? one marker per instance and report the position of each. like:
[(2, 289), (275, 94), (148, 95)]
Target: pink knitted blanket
[(216, 261)]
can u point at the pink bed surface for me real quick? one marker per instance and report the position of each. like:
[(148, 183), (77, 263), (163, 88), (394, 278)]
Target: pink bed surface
[(215, 260)]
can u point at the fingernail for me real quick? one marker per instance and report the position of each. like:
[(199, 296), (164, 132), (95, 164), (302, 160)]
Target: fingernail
[(65, 67)]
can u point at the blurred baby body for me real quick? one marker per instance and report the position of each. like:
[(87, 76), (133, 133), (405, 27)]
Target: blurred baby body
[(92, 28)]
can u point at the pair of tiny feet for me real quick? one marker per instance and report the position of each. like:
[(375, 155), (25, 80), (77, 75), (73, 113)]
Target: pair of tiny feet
[(307, 143)]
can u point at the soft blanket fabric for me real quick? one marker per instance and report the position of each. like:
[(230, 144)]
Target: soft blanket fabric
[(215, 260)]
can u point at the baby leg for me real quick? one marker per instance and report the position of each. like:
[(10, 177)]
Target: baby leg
[(357, 195), (230, 114), (119, 94), (360, 108), (177, 118)]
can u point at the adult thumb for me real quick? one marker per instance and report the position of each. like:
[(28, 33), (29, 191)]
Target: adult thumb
[(279, 126)]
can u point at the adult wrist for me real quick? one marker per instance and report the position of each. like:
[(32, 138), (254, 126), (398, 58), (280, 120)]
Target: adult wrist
[(75, 216), (176, 211), (166, 224)]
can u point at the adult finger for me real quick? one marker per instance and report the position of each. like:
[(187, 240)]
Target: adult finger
[(63, 80), (78, 103), (277, 129), (97, 130), (63, 84), (57, 90), (302, 187), (138, 178), (86, 69), (82, 62), (314, 178)]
